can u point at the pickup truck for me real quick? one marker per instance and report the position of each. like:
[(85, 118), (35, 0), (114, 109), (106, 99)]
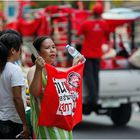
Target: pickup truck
[(120, 86), (119, 89)]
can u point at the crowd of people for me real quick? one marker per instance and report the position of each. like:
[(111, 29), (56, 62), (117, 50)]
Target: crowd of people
[(12, 83)]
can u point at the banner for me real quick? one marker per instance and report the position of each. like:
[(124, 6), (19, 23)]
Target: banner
[(61, 105)]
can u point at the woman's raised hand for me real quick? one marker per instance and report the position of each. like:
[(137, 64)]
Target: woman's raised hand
[(79, 59), (40, 62)]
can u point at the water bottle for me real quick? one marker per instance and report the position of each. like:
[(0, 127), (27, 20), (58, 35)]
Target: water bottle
[(73, 52)]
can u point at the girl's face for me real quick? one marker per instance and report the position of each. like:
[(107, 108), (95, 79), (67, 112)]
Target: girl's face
[(14, 54), (18, 53), (48, 51)]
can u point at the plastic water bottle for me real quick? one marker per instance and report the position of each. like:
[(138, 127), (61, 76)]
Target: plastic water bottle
[(73, 52)]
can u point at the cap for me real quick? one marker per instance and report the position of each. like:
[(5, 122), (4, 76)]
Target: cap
[(98, 8)]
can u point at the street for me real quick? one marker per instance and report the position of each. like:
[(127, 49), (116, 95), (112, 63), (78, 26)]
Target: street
[(100, 127)]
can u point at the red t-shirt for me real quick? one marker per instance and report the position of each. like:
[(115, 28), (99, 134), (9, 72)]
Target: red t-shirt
[(95, 33)]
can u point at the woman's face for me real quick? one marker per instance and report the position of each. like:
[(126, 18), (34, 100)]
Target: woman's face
[(14, 54), (48, 51), (18, 53)]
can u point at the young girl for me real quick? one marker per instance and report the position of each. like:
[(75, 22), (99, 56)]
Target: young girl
[(47, 54), (12, 112)]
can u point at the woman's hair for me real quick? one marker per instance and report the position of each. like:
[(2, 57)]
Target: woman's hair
[(12, 32), (37, 44), (7, 42)]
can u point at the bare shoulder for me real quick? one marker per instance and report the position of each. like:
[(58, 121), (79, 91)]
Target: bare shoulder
[(30, 74)]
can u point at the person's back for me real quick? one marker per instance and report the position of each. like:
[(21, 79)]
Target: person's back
[(8, 79)]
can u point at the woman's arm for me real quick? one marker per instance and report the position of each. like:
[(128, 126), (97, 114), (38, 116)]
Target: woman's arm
[(35, 82), (17, 98), (35, 77)]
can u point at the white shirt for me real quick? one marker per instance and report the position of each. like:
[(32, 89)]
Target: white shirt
[(18, 63), (11, 76)]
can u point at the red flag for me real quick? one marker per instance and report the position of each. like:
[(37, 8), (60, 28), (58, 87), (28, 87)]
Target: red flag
[(24, 27), (12, 25), (61, 105), (22, 5)]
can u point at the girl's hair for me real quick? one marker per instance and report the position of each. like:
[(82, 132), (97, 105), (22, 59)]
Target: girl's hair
[(37, 44), (7, 42), (12, 32), (3, 56)]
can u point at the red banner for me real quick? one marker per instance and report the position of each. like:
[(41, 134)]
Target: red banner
[(61, 105)]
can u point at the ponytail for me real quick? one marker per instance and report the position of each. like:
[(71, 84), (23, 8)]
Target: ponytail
[(3, 56), (8, 41)]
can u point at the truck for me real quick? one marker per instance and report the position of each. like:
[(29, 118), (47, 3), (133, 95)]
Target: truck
[(119, 82)]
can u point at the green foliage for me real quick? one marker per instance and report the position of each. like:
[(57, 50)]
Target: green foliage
[(42, 4), (116, 3)]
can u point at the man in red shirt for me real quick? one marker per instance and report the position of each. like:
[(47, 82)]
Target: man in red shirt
[(94, 33)]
